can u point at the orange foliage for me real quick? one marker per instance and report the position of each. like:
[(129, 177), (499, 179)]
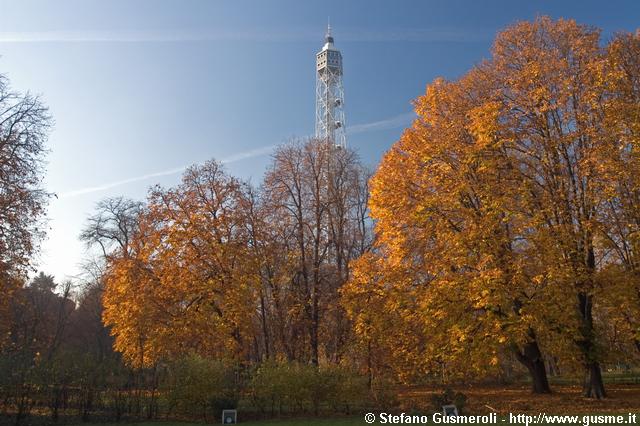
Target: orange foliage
[(184, 287), (497, 209)]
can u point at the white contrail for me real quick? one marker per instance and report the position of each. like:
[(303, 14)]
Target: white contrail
[(389, 123), (231, 159), (106, 186)]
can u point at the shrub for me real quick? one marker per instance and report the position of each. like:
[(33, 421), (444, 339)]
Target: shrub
[(344, 389), (197, 385), (279, 387), (384, 395)]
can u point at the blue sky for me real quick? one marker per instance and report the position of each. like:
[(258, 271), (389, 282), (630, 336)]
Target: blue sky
[(140, 89)]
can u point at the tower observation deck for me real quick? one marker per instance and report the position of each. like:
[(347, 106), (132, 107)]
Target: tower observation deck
[(330, 124)]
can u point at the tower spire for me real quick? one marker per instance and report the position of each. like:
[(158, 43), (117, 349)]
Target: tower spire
[(328, 38)]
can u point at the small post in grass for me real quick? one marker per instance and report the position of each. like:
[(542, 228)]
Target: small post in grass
[(450, 410), (229, 417)]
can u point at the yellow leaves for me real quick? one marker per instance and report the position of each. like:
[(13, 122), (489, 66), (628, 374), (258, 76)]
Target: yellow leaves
[(186, 285), (488, 205), (484, 125)]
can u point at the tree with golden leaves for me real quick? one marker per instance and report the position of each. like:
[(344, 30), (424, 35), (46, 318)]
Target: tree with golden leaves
[(497, 203), (448, 255), (620, 169), (183, 285)]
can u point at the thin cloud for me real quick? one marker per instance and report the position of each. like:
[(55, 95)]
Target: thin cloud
[(107, 186), (389, 123), (138, 36), (255, 35), (231, 159)]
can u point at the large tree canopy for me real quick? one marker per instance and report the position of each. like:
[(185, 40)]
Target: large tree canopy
[(509, 201)]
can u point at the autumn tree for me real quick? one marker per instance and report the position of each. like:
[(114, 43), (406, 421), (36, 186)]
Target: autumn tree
[(24, 125), (280, 327), (315, 196), (619, 278), (181, 286), (448, 265), (386, 320), (504, 199), (111, 229), (553, 112)]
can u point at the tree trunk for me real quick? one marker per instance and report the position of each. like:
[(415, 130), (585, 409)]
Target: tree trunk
[(265, 327), (531, 357), (315, 325), (369, 366), (540, 384), (593, 385)]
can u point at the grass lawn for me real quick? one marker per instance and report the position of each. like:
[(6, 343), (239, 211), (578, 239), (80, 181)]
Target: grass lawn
[(516, 399)]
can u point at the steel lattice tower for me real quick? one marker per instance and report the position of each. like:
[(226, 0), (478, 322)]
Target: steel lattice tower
[(330, 124)]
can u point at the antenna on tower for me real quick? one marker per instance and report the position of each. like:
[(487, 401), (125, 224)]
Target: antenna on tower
[(328, 37)]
